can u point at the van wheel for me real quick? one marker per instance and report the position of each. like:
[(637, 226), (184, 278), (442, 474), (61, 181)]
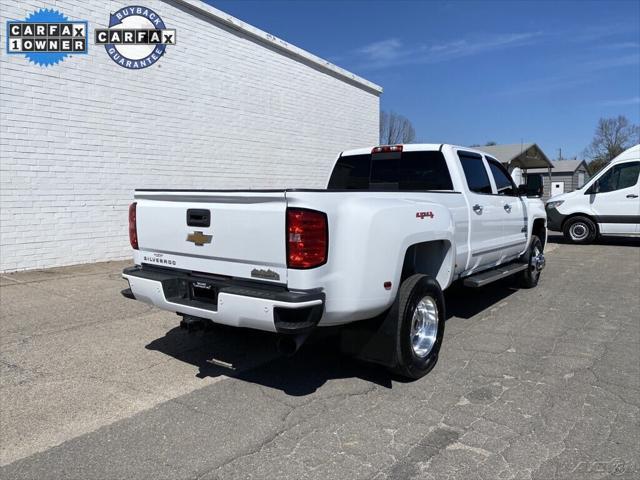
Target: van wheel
[(419, 312), (580, 230), (534, 257)]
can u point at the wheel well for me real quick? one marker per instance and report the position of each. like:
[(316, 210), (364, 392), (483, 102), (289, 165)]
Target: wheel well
[(539, 230), (573, 215), (431, 258)]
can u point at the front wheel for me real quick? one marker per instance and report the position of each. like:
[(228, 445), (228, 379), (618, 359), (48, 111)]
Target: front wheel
[(534, 257), (580, 230), (419, 311)]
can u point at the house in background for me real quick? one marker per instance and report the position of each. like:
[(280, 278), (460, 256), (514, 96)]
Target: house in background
[(566, 176), (519, 155), (520, 159)]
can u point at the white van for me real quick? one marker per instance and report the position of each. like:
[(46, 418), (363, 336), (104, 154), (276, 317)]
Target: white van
[(608, 204)]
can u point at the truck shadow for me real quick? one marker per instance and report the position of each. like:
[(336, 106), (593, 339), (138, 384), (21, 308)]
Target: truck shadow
[(463, 302), (613, 241), (251, 356)]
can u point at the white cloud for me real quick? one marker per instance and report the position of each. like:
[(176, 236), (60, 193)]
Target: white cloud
[(623, 46), (392, 52), (623, 102), (612, 62), (384, 50), (585, 71)]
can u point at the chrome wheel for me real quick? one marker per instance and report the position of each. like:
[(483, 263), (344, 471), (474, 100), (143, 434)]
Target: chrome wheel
[(537, 262), (578, 231), (424, 326)]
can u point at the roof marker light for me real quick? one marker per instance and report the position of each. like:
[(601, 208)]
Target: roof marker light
[(387, 148)]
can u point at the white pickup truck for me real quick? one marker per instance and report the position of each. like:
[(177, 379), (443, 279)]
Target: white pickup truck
[(372, 252)]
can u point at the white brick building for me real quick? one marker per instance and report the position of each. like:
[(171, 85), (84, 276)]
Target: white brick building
[(228, 106)]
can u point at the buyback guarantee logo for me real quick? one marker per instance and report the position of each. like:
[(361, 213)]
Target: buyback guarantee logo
[(46, 37), (136, 38)]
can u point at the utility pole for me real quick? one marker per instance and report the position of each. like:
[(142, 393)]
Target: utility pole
[(560, 154)]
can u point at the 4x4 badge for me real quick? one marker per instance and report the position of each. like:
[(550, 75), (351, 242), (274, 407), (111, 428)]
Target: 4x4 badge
[(422, 215), (199, 238)]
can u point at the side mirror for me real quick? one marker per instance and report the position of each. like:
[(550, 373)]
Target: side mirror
[(526, 190), (594, 188)]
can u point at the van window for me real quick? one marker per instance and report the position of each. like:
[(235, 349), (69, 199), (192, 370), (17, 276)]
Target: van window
[(503, 180), (620, 176), (474, 172), (409, 171)]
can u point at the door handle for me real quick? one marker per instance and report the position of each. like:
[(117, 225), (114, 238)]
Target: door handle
[(477, 208), (197, 217), (632, 195), (507, 207)]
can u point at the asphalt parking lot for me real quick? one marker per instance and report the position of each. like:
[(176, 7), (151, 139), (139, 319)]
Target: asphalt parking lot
[(539, 384)]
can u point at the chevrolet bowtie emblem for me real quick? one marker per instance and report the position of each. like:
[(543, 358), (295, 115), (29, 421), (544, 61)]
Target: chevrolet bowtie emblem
[(199, 238)]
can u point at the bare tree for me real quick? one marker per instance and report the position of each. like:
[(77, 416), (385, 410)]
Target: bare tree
[(395, 128), (612, 137), (490, 143)]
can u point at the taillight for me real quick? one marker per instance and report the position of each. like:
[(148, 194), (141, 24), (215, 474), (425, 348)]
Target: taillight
[(133, 227), (307, 238)]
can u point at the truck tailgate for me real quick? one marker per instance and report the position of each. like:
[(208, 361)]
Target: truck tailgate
[(244, 238)]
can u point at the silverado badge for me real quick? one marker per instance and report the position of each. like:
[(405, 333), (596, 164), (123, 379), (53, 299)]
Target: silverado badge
[(199, 238)]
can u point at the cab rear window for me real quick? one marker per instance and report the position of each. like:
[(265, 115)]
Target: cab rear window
[(409, 171)]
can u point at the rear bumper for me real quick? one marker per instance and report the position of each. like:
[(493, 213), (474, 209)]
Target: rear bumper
[(236, 303)]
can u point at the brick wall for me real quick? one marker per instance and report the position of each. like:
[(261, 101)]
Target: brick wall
[(221, 109)]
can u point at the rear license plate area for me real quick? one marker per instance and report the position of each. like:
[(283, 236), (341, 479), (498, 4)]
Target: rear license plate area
[(203, 292)]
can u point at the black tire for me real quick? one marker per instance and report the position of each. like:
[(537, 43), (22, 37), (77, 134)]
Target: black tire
[(580, 230), (414, 289), (529, 278)]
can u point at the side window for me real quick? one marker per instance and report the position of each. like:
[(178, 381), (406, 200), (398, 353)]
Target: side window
[(474, 172), (503, 180), (618, 177), (628, 174)]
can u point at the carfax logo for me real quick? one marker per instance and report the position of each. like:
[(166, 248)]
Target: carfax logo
[(46, 37), (136, 38)]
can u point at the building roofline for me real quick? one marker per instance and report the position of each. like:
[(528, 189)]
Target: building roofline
[(275, 42), (522, 146), (544, 155), (509, 154), (558, 166)]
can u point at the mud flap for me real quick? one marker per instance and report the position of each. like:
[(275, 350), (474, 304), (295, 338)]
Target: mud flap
[(372, 340)]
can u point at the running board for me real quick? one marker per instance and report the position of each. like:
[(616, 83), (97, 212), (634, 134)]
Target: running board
[(484, 278)]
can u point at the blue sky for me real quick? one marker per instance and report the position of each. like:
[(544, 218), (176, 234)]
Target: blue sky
[(468, 72)]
